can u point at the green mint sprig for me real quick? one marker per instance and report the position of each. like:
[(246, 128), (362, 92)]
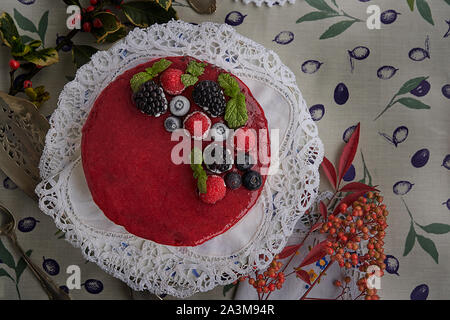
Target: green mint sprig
[(197, 168), (193, 71), (149, 73), (236, 114)]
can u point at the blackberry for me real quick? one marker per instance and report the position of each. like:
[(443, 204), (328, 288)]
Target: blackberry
[(150, 99), (208, 95), (217, 158)]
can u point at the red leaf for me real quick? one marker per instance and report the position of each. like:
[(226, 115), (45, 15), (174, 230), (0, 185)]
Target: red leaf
[(317, 253), (302, 274), (348, 153), (330, 171), (288, 251), (323, 210), (318, 225), (357, 186), (348, 200)]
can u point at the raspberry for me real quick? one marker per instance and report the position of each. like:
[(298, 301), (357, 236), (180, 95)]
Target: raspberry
[(215, 190), (171, 81), (245, 139), (197, 121)]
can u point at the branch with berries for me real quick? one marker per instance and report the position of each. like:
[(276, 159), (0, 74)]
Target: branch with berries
[(352, 228), (106, 20)]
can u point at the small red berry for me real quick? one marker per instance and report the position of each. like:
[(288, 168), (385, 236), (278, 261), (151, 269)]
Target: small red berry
[(94, 2), (337, 283), (343, 208), (87, 27), (97, 23), (90, 9), (27, 84), (14, 64)]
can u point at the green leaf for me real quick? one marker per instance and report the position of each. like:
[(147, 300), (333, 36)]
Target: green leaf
[(146, 13), (196, 68), (6, 257), (229, 85), (429, 247), (410, 85), (22, 265), (24, 23), (236, 112), (436, 228), (35, 44), (320, 4), (227, 288), (139, 79), (3, 273), (158, 67), (337, 29), (82, 54), (447, 1), (412, 103), (43, 24), (8, 29), (410, 240), (316, 15), (425, 11), (188, 80), (110, 25), (164, 3), (26, 39), (411, 4), (44, 57), (117, 35), (198, 171)]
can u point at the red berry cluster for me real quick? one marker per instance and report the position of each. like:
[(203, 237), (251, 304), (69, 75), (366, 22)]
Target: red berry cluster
[(87, 17), (359, 228), (270, 280)]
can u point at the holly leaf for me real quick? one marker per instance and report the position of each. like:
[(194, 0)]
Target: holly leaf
[(110, 25), (8, 29), (436, 228), (425, 11), (303, 275), (337, 28), (42, 27), (429, 247), (236, 112), (117, 35), (412, 103), (410, 240), (188, 80), (410, 85), (146, 13), (316, 253), (316, 15), (229, 84), (330, 171), (348, 153), (82, 54), (44, 57), (23, 22), (6, 257)]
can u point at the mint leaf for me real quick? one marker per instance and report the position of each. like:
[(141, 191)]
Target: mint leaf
[(158, 67), (236, 111), (188, 80), (198, 171), (196, 68), (139, 79), (229, 85)]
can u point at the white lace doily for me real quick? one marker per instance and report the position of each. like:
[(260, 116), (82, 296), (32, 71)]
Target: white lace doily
[(269, 3), (181, 271)]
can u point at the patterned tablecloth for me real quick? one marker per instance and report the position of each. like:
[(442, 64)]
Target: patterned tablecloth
[(349, 70)]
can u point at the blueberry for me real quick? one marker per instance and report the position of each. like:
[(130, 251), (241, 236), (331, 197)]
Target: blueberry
[(217, 159), (179, 106), (422, 89), (172, 123), (350, 174), (234, 18), (27, 224), (9, 184), (446, 162), (219, 132), (317, 111), (341, 94), (348, 133), (50, 266), (93, 286), (386, 72), (401, 188), (446, 91), (311, 66), (284, 37), (420, 158), (252, 180), (244, 161), (392, 264), (233, 180), (420, 292), (389, 16)]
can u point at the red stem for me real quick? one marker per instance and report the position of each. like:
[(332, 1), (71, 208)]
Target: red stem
[(318, 278)]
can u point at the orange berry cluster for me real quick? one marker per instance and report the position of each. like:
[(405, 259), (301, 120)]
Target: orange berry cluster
[(270, 280), (359, 228)]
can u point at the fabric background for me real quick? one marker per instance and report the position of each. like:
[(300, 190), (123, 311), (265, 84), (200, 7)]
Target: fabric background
[(295, 43)]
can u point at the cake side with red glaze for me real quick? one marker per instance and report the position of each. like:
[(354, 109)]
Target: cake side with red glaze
[(127, 161)]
